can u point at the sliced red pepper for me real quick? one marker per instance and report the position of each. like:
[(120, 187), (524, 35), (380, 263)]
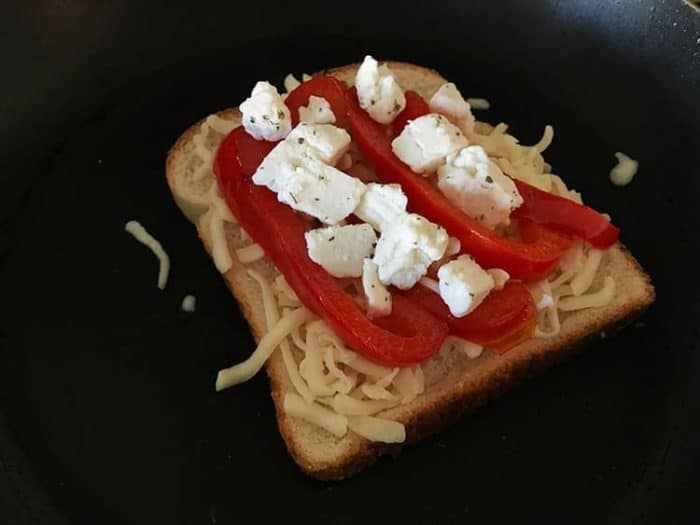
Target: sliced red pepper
[(565, 215), (330, 88), (409, 335), (529, 261), (503, 320), (415, 107)]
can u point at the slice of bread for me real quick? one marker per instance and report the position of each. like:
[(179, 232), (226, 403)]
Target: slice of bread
[(454, 384)]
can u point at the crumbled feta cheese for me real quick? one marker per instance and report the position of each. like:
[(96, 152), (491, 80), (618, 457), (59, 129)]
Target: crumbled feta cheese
[(378, 296), (318, 111), (324, 142), (265, 116), (406, 248), (341, 250), (279, 166), (378, 92), (298, 170), (463, 285), (426, 141), (449, 101), (476, 185), (381, 204), (322, 191)]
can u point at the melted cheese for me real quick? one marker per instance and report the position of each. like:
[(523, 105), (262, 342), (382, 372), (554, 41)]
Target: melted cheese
[(140, 234)]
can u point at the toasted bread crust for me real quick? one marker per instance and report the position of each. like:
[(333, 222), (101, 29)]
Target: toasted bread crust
[(463, 387)]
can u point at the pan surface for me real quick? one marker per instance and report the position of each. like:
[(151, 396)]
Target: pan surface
[(108, 414)]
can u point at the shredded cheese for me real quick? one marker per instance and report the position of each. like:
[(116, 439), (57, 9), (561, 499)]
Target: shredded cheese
[(314, 413), (244, 371), (250, 254), (140, 234), (592, 300), (210, 132), (220, 252), (625, 170), (479, 103), (189, 304), (346, 405), (583, 280), (376, 429)]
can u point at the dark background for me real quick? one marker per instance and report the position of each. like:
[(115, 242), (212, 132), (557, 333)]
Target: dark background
[(108, 410)]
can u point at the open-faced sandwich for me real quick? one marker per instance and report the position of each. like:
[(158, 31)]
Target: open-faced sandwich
[(399, 263)]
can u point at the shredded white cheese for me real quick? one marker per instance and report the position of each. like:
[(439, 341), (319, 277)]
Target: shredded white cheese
[(376, 429), (250, 254), (592, 300), (479, 103), (219, 252), (314, 413), (140, 234), (189, 303), (244, 371), (625, 170)]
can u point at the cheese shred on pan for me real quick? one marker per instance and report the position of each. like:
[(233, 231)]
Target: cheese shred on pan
[(145, 238)]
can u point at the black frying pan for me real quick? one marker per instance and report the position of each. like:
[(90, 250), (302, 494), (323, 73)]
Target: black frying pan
[(108, 412)]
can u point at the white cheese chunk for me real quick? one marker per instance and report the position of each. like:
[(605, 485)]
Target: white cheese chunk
[(449, 101), (378, 296), (378, 92), (298, 170), (406, 248), (426, 141), (318, 111), (265, 116), (463, 285), (341, 250), (324, 142), (322, 191), (279, 166), (476, 185), (381, 204)]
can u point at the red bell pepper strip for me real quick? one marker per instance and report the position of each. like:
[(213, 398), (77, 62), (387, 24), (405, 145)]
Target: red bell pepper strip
[(409, 335), (506, 318), (330, 88), (529, 260), (565, 215), (415, 107)]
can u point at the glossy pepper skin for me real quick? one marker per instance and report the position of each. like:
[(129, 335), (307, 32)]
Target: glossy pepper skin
[(530, 258), (409, 335)]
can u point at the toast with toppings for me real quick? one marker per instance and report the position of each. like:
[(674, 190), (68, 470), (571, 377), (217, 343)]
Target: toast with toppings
[(455, 382)]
